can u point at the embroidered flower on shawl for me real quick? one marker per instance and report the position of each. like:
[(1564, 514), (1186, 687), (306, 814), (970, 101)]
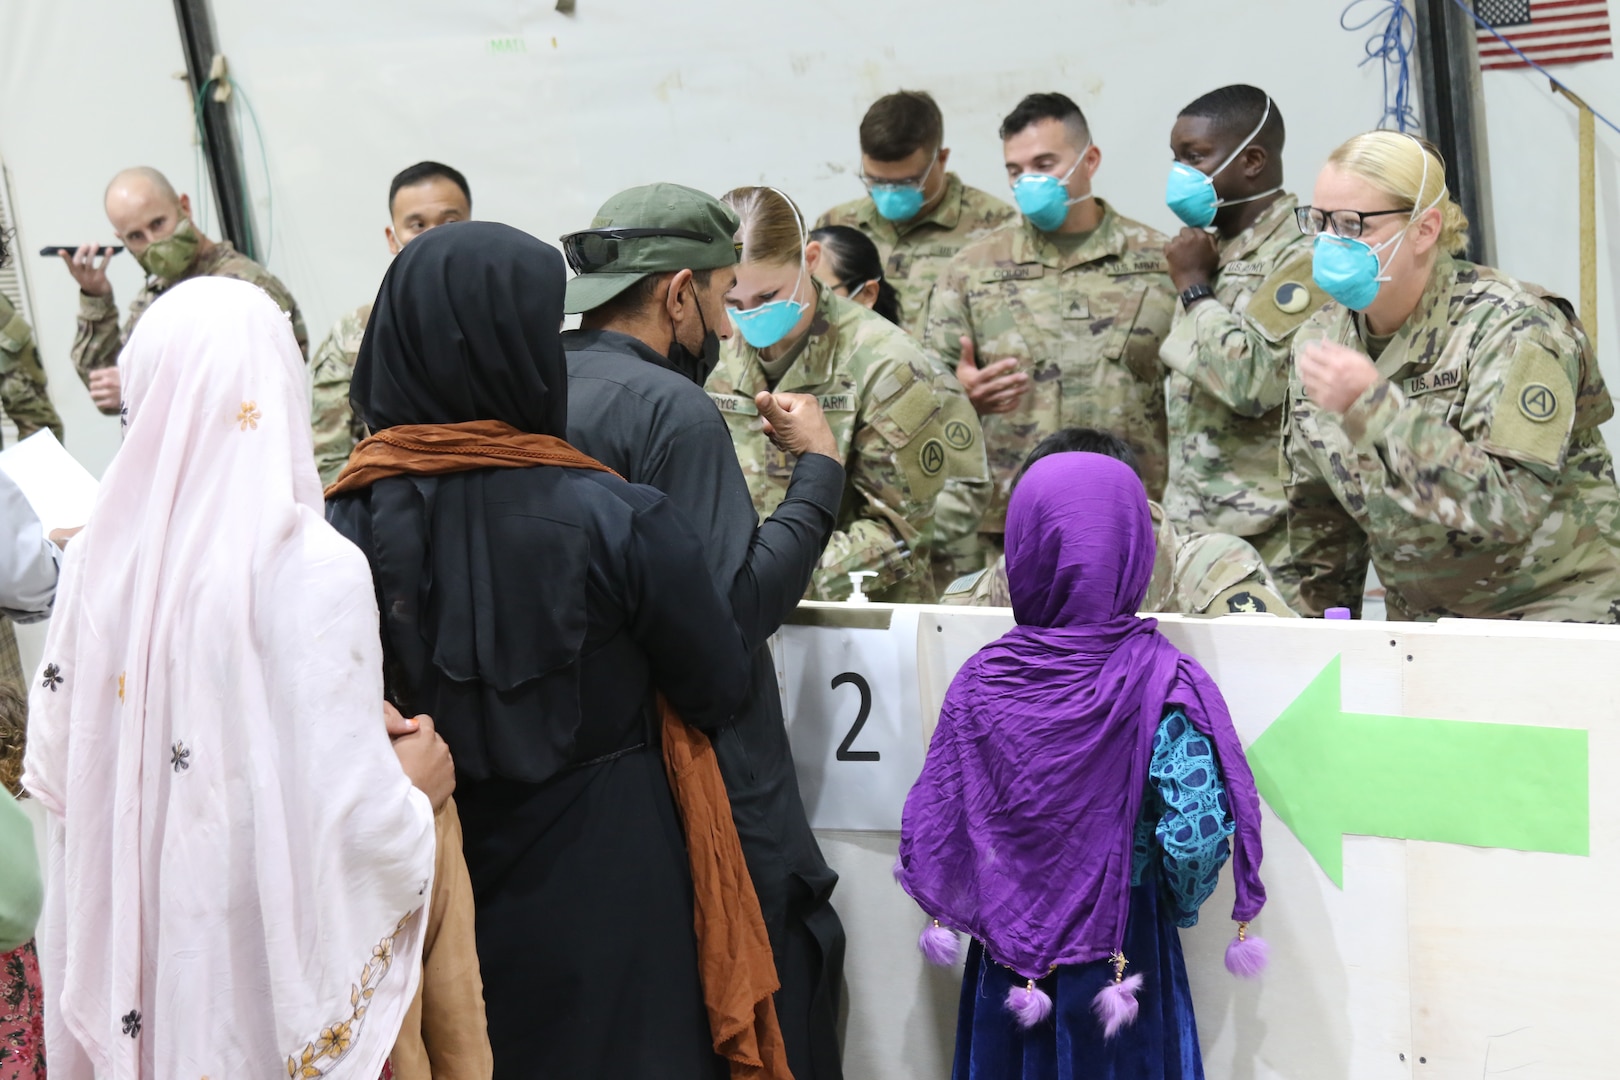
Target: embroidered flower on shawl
[(53, 677), (132, 1023), (250, 415), (180, 757), (317, 1058), (121, 686)]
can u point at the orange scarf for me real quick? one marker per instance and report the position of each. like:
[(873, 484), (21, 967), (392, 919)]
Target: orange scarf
[(734, 952), (435, 449)]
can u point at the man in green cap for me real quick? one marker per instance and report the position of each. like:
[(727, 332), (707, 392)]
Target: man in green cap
[(652, 274)]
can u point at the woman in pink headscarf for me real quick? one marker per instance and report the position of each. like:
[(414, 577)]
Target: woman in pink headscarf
[(236, 859)]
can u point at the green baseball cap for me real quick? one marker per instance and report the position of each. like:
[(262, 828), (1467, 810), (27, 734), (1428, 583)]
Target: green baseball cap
[(646, 230)]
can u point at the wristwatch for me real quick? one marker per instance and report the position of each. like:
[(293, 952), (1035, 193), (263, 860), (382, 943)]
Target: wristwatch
[(1194, 293)]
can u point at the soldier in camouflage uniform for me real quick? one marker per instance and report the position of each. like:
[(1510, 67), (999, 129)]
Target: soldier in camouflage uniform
[(917, 214), (420, 198), (1245, 290), (1447, 427), (22, 378), (1193, 573), (155, 225), (898, 437), (1066, 309)]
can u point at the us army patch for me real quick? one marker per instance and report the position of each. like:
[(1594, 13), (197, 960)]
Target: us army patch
[(1244, 269), (1139, 264), (837, 402), (1538, 402), (1437, 380), (1292, 297), (932, 457), (959, 434)]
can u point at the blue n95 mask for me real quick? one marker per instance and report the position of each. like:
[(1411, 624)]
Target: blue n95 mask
[(1350, 271), (773, 320), (902, 201), (1190, 192), (1043, 199)]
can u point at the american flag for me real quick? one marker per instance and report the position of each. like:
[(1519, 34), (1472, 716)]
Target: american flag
[(1547, 31)]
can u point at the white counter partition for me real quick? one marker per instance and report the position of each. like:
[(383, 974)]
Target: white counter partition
[(1444, 954)]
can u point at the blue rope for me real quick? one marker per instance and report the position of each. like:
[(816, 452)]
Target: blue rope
[(1392, 46), (1472, 14)]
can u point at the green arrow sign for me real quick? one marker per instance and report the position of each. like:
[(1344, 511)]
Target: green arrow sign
[(1327, 772)]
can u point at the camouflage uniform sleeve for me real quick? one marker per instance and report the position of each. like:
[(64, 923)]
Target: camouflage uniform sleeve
[(968, 488), (22, 379), (1327, 551), (1223, 355), (331, 418), (896, 470), (1218, 574), (97, 340), (1495, 477)]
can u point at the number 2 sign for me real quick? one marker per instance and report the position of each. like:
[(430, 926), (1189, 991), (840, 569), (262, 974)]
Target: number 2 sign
[(851, 701)]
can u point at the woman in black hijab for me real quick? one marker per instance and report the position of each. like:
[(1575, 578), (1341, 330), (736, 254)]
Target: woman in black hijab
[(534, 605)]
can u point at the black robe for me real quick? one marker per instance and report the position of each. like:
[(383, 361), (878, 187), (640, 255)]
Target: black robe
[(629, 410), (535, 613)]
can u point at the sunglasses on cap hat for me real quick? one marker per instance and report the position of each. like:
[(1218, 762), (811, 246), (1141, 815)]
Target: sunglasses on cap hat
[(591, 251)]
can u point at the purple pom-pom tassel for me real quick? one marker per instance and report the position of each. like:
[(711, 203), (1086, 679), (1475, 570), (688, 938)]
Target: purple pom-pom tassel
[(1247, 957), (1029, 1004), (1115, 1005), (940, 946)]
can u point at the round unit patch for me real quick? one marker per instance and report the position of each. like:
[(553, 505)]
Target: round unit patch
[(1292, 298), (932, 457), (959, 435), (1538, 402)]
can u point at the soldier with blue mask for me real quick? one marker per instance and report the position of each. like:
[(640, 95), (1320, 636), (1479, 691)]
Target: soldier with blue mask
[(1055, 320), (918, 214), (1242, 274)]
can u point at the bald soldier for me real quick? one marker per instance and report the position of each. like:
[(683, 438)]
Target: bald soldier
[(421, 197), (1193, 573), (155, 225), (916, 213), (1065, 310)]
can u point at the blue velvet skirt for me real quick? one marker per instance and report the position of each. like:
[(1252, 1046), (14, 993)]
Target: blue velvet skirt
[(1161, 1045)]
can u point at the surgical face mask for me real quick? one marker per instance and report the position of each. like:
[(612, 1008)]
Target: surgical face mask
[(174, 255), (1350, 271), (773, 320), (695, 366), (1190, 192), (901, 201), (1043, 199)]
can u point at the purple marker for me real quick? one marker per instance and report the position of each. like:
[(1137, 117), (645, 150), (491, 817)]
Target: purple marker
[(1336, 613)]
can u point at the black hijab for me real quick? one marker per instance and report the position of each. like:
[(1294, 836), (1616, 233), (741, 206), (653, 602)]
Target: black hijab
[(466, 328), (483, 612)]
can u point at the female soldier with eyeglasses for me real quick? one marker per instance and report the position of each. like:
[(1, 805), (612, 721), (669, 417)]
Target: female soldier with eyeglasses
[(1443, 417)]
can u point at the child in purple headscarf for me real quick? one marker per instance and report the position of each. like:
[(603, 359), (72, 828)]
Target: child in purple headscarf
[(1081, 793)]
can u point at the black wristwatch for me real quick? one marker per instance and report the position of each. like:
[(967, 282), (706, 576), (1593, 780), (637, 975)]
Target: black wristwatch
[(1194, 293)]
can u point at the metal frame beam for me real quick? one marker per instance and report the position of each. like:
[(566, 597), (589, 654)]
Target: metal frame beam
[(1454, 114), (219, 143)]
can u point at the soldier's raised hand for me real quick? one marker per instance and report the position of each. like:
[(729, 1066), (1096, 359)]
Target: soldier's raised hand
[(87, 271), (1193, 258), (995, 388), (796, 424), (1335, 375)]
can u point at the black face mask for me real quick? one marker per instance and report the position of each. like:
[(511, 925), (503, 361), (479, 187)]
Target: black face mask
[(695, 366)]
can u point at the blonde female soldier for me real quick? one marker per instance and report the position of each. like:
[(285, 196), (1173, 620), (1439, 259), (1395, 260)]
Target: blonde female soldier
[(1443, 416), (900, 437)]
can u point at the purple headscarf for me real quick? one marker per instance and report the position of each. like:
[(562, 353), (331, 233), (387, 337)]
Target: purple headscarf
[(1019, 830)]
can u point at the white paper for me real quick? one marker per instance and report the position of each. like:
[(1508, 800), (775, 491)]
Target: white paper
[(850, 696), (61, 491)]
